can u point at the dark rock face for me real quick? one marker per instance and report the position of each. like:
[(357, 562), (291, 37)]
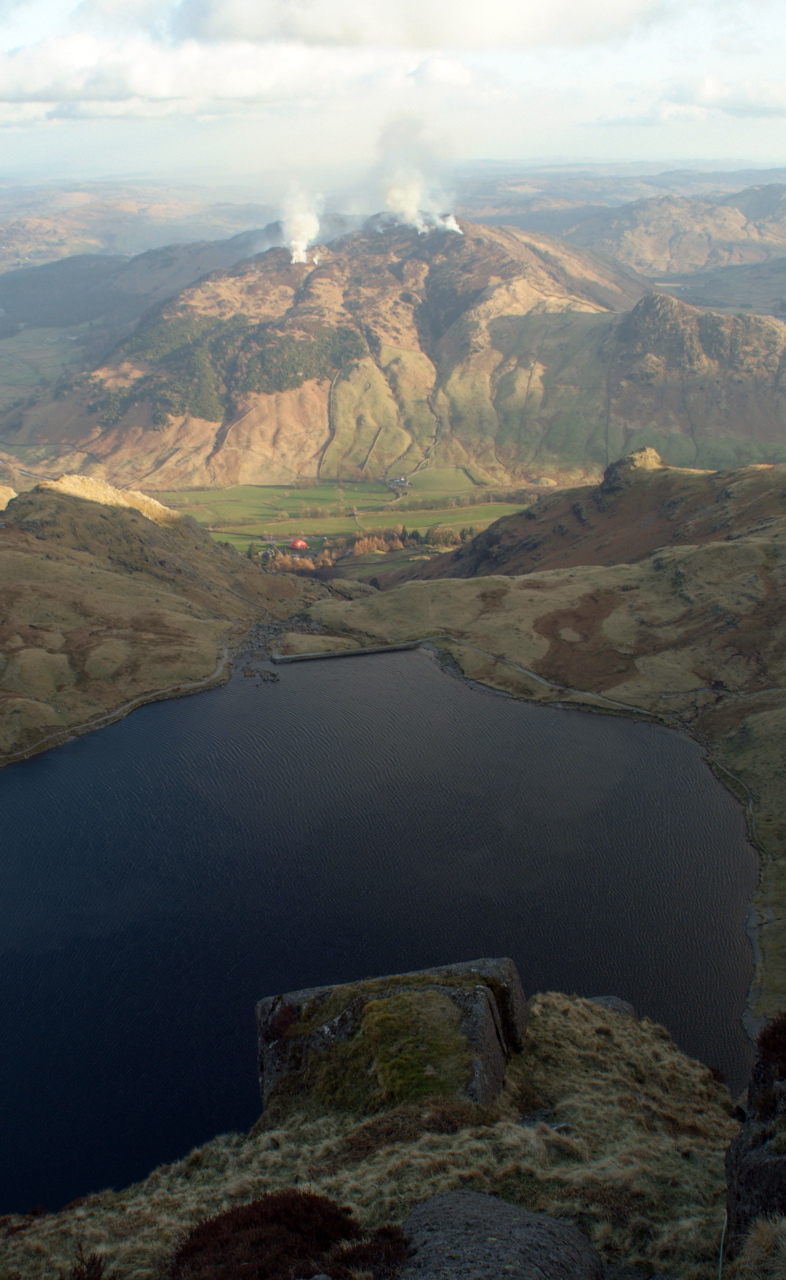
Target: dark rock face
[(756, 1159), (462, 1235), (360, 1047)]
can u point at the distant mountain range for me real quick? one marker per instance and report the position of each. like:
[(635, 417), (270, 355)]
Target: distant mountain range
[(672, 235), (44, 223)]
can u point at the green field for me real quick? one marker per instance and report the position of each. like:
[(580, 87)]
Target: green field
[(34, 359), (249, 513)]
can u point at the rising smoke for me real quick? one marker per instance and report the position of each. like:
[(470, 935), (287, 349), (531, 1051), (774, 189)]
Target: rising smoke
[(408, 198), (406, 177), (413, 198), (300, 223)]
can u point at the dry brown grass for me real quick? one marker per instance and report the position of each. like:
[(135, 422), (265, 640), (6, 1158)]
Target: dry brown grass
[(633, 1151), (764, 1254)]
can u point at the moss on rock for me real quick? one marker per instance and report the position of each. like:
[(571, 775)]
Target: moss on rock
[(409, 1046)]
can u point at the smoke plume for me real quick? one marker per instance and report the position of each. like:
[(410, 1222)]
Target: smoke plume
[(300, 223), (412, 198)]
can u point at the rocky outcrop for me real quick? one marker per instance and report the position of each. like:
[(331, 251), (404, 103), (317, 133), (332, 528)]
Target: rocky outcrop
[(628, 1147), (640, 505), (756, 1159), (367, 1045), (462, 1235)]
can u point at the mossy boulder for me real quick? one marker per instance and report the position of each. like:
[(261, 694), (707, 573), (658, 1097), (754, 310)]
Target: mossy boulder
[(365, 1046)]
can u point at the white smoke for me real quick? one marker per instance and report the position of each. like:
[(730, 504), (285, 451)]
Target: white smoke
[(300, 223), (409, 195), (408, 198)]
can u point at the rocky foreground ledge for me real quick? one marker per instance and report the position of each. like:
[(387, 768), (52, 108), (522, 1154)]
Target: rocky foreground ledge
[(383, 1094)]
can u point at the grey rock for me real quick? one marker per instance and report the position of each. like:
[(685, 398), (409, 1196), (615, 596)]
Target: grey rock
[(493, 1020), (463, 1235), (756, 1158), (615, 1003)]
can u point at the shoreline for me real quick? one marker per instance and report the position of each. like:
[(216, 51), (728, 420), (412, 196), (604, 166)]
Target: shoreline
[(582, 700), (219, 675)]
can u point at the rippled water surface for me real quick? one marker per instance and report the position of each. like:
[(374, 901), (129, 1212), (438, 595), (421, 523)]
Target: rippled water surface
[(359, 817)]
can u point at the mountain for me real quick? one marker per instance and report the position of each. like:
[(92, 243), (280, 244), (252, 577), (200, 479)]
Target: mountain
[(108, 600), (89, 286), (383, 353), (674, 235), (511, 356), (117, 289), (640, 505)]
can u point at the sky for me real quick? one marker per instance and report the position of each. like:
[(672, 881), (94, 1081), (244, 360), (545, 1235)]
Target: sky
[(234, 90)]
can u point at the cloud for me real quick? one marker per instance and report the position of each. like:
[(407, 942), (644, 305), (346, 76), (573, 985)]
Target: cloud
[(412, 24), (96, 69), (269, 86), (742, 98)]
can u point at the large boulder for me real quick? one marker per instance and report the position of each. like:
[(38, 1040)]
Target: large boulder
[(368, 1045), (756, 1159), (463, 1235)]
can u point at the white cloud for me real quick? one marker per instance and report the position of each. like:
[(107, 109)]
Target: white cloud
[(740, 98), (414, 24), (284, 81), (96, 69)]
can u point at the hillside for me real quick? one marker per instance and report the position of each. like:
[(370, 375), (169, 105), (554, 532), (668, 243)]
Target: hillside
[(671, 235), (117, 288), (109, 599), (622, 1134), (103, 295), (551, 199), (640, 505), (506, 356)]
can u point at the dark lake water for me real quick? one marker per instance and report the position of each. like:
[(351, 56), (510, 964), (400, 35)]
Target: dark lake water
[(357, 818)]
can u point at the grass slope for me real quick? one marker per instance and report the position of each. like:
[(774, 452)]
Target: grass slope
[(632, 1149)]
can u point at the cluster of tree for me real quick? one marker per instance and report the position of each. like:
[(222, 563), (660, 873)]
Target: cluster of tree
[(283, 362), (199, 365), (359, 544), (362, 546)]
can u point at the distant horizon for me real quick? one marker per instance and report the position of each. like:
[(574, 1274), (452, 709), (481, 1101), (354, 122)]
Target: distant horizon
[(268, 190)]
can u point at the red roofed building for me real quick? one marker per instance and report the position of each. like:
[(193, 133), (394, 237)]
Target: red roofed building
[(298, 544)]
